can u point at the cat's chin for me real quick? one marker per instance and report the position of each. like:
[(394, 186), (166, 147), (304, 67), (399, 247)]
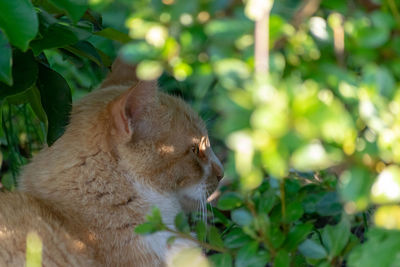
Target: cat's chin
[(189, 204)]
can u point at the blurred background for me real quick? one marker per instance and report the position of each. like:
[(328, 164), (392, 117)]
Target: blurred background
[(308, 118)]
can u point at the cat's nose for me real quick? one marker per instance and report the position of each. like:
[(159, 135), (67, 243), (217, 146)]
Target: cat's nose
[(218, 171), (217, 168)]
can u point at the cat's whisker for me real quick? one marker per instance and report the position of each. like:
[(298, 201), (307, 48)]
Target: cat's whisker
[(212, 214), (198, 210)]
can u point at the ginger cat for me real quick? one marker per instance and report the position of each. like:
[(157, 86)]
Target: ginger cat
[(127, 148)]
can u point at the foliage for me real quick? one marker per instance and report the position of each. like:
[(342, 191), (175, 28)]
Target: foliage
[(312, 165)]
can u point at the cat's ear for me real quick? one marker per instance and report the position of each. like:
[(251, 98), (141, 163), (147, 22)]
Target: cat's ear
[(128, 111), (122, 73)]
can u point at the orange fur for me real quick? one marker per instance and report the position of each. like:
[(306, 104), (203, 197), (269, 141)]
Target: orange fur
[(127, 148)]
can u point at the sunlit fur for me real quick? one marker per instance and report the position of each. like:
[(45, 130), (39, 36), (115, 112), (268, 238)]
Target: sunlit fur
[(128, 147)]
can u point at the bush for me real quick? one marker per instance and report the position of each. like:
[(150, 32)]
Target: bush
[(312, 156)]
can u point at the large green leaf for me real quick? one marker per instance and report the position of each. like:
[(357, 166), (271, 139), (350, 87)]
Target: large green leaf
[(55, 36), (201, 231), (229, 201), (74, 8), (5, 60), (31, 96), (312, 250), (56, 99), (294, 211), (355, 186), (24, 72), (221, 260), (19, 21), (114, 35), (382, 248), (282, 259), (296, 235), (336, 237), (329, 205), (87, 50), (181, 223), (250, 255), (242, 216), (136, 52), (236, 238), (214, 237)]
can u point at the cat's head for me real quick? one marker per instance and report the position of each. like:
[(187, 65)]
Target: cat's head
[(163, 143)]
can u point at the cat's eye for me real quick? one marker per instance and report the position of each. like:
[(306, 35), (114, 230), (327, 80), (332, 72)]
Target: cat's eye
[(195, 149)]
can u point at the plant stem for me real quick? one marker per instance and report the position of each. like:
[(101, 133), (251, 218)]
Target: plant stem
[(283, 204), (261, 232), (395, 11), (261, 46)]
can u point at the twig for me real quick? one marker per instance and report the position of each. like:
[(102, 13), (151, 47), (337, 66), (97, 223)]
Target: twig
[(261, 47), (283, 204), (395, 11), (306, 10)]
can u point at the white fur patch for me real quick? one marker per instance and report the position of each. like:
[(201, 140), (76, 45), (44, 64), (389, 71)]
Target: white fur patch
[(169, 206), (195, 192)]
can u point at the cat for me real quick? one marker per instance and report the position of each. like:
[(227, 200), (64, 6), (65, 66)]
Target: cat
[(128, 147)]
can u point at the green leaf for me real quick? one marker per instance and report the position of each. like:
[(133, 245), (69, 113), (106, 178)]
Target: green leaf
[(294, 211), (267, 201), (282, 259), (312, 250), (336, 237), (355, 186), (276, 236), (324, 264), (329, 205), (296, 235), (114, 35), (74, 8), (8, 181), (25, 73), (201, 231), (107, 62), (242, 217), (83, 30), (221, 260), (155, 216), (381, 78), (181, 223), (219, 217), (19, 21), (236, 238), (146, 228), (5, 60), (153, 224), (382, 248), (229, 201), (372, 37), (31, 96), (249, 256), (214, 237), (55, 95), (228, 29), (55, 36), (87, 50), (139, 51)]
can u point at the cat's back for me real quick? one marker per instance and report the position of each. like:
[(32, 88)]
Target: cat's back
[(21, 215)]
